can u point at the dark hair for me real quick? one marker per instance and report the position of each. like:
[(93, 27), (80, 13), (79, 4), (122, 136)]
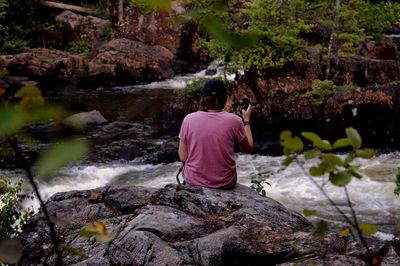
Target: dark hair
[(214, 95)]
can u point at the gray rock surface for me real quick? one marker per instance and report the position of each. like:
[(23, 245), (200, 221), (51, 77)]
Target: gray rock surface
[(179, 226)]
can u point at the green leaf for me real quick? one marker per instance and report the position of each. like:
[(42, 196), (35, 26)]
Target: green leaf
[(368, 229), (317, 170), (290, 144), (354, 137), (340, 179), (288, 161), (366, 153), (323, 145), (332, 160), (396, 246), (397, 183), (344, 232), (322, 228), (309, 212), (10, 251), (311, 136), (60, 155), (349, 158), (312, 154), (91, 229), (31, 96), (317, 141), (340, 143), (11, 121), (104, 238), (354, 173)]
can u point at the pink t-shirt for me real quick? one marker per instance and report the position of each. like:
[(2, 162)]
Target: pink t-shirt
[(210, 139)]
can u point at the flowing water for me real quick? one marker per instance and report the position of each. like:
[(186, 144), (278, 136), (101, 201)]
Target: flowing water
[(372, 196)]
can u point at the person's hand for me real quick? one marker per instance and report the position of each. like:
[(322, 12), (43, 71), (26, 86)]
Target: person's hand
[(246, 113)]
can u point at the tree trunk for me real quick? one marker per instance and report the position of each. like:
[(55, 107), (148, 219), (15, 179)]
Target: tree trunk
[(120, 11), (73, 8), (332, 37)]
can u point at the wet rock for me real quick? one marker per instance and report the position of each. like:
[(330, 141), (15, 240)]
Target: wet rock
[(211, 70), (93, 117)]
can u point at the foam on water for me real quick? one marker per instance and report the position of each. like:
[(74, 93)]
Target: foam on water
[(180, 82), (372, 196)]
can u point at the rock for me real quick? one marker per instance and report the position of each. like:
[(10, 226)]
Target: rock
[(136, 62), (211, 70), (155, 28), (159, 29), (186, 226), (190, 226), (93, 117), (77, 27), (46, 65), (379, 50)]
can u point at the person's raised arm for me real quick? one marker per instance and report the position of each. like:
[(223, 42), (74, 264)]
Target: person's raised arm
[(247, 144)]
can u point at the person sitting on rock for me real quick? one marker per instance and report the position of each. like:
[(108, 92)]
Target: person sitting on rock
[(207, 140)]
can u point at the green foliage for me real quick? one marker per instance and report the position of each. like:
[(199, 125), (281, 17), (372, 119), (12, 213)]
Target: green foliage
[(258, 181), (81, 46), (321, 229), (321, 90), (27, 107), (308, 212), (12, 215), (19, 22), (290, 144), (97, 230), (195, 88), (145, 6), (274, 29), (108, 32), (338, 169), (365, 228), (59, 155)]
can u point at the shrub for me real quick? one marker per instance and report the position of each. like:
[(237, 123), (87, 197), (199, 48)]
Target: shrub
[(12, 215), (81, 46), (321, 90)]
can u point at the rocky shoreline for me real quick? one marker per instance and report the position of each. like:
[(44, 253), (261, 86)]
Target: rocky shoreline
[(184, 226)]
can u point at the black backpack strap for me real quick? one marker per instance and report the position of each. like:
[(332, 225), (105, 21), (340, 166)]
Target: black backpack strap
[(180, 171)]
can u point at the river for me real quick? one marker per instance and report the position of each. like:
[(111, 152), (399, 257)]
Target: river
[(372, 196)]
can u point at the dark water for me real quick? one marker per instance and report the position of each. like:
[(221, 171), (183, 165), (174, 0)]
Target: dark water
[(126, 104)]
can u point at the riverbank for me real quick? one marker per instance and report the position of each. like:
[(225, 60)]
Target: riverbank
[(187, 225)]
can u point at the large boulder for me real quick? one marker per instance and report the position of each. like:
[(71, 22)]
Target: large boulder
[(177, 226), (75, 27), (160, 28), (129, 60), (45, 64)]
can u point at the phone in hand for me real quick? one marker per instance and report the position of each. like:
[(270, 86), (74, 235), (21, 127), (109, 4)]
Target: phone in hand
[(245, 103)]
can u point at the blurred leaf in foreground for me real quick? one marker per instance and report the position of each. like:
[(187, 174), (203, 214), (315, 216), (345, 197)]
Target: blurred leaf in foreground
[(10, 251), (11, 120), (59, 155), (98, 230)]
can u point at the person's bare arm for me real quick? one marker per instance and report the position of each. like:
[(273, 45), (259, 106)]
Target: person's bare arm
[(247, 144), (182, 151)]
